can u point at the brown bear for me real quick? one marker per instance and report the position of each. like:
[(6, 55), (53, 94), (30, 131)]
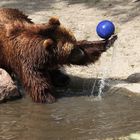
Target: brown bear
[(32, 51)]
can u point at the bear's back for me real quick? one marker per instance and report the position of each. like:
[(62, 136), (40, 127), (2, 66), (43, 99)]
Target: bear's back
[(8, 15)]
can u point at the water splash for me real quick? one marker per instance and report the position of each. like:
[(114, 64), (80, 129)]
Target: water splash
[(103, 75), (101, 87)]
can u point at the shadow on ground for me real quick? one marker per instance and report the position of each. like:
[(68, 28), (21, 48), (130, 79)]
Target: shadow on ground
[(124, 10), (86, 86), (127, 9), (29, 7), (90, 86)]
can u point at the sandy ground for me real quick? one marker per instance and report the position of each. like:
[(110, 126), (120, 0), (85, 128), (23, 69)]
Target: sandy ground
[(82, 16)]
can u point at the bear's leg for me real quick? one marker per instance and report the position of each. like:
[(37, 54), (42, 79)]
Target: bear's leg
[(38, 86), (58, 78)]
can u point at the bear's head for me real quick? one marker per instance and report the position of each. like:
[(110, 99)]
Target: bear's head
[(63, 39)]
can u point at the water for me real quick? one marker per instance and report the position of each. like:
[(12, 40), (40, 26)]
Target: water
[(70, 118)]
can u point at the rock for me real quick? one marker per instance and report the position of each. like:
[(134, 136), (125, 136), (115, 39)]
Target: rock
[(126, 88), (135, 0), (8, 90), (133, 78)]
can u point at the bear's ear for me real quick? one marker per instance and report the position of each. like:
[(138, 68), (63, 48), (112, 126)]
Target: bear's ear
[(54, 21), (47, 43)]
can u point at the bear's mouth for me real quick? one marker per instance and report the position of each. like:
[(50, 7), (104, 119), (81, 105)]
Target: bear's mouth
[(76, 55)]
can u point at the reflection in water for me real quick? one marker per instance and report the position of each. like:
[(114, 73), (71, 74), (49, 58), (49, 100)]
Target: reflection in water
[(70, 118)]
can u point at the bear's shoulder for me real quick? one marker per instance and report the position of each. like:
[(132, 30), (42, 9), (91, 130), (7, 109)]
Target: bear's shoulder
[(9, 15)]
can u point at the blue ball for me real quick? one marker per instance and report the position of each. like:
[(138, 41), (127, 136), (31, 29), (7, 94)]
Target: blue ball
[(105, 29)]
